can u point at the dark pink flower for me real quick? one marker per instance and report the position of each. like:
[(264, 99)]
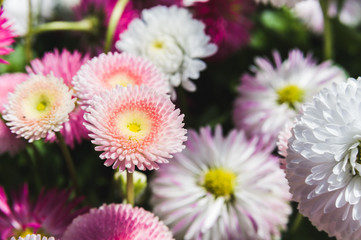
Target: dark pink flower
[(227, 23), (49, 215), (6, 36)]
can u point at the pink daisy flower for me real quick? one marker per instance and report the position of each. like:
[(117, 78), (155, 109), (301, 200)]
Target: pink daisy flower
[(9, 142), (103, 10), (106, 71), (6, 36), (117, 221), (222, 188), (50, 214), (39, 105), (273, 94), (227, 22), (135, 126), (63, 65)]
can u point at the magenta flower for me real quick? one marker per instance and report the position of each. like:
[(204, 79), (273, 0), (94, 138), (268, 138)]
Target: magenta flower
[(227, 22), (117, 221), (64, 65), (135, 126), (6, 36), (49, 215)]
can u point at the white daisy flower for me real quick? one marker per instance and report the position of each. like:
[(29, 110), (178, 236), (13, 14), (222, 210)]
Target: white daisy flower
[(33, 237), (323, 160), (273, 95), (222, 188), (172, 40)]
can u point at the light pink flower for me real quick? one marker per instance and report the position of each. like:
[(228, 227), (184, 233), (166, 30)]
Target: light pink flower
[(222, 188), (6, 36), (9, 142), (64, 65), (39, 105), (273, 94), (106, 71), (50, 214), (135, 126), (117, 221)]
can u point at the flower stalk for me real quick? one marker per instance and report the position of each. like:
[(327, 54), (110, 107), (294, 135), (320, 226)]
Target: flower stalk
[(327, 32), (113, 22), (130, 189)]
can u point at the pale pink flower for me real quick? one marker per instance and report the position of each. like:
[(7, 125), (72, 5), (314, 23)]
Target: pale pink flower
[(6, 36), (106, 71), (222, 188), (135, 126), (50, 214), (64, 65), (39, 105), (117, 221), (9, 142)]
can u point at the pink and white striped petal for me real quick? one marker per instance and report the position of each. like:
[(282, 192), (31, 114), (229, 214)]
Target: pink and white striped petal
[(135, 126)]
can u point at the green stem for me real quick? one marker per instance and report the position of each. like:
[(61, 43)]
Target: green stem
[(28, 37), (85, 25), (130, 189), (113, 22), (296, 224), (68, 160), (327, 31)]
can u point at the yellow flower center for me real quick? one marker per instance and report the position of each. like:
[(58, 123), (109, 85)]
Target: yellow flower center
[(26, 232), (220, 182), (158, 44), (121, 79), (290, 95), (134, 127), (41, 106)]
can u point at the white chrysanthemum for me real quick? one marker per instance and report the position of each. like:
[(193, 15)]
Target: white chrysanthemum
[(323, 162), (39, 105), (273, 95), (33, 237), (222, 188), (279, 3), (173, 40)]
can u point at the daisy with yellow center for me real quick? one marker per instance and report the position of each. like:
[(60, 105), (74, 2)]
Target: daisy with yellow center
[(106, 71), (273, 94), (135, 126), (38, 106)]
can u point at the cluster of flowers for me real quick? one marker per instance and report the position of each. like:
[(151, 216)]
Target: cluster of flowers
[(208, 185)]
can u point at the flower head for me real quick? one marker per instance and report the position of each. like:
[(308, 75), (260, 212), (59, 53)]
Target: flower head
[(173, 40), (323, 160), (227, 23), (39, 105), (6, 36), (135, 126), (63, 65), (50, 214), (273, 95), (221, 188), (117, 221), (109, 70), (33, 237)]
